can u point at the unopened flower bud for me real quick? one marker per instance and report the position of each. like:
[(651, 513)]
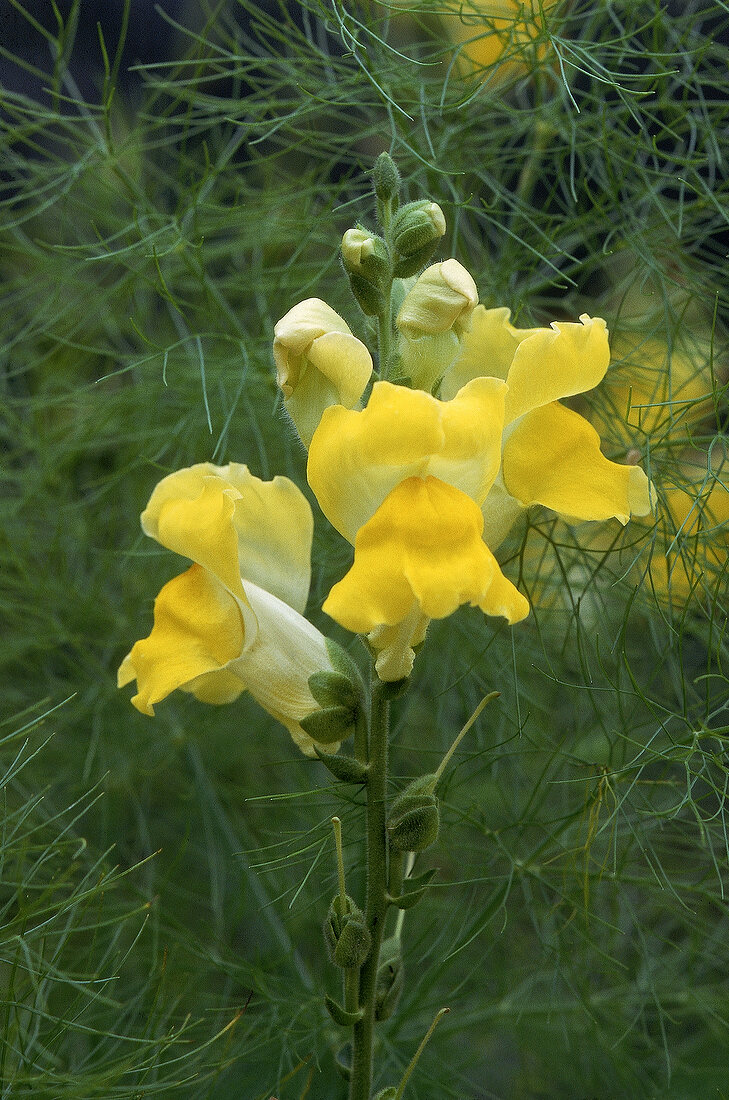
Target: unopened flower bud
[(386, 178), (442, 299), (414, 818), (347, 936), (366, 262), (416, 226)]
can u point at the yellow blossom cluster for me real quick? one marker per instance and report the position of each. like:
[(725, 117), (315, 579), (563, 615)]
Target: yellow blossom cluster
[(424, 479)]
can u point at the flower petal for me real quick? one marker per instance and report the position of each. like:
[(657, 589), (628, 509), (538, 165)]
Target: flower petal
[(357, 458), (557, 362), (233, 523), (553, 457), (487, 349), (423, 549), (277, 665), (197, 630), (318, 362), (337, 369)]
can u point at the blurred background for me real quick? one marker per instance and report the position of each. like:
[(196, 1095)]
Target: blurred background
[(173, 178)]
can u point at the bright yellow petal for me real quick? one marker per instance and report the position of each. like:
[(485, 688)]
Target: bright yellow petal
[(357, 458), (233, 523), (197, 630), (487, 349), (553, 457), (557, 362), (422, 550)]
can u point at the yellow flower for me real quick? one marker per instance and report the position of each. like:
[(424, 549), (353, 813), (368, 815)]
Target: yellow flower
[(691, 551), (403, 480), (503, 36), (319, 363), (654, 390), (550, 454), (234, 620)]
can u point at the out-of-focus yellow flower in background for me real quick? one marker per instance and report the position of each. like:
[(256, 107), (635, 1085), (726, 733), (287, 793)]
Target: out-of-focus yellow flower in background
[(403, 481), (234, 620), (498, 39), (550, 454)]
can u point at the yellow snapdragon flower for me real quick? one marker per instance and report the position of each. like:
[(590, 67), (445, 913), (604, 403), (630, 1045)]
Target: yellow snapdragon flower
[(403, 481), (234, 620), (319, 363), (691, 555), (550, 454), (498, 38)]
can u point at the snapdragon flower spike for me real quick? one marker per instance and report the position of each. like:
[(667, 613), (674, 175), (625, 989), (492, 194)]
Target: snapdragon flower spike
[(234, 620), (550, 454), (403, 480), (319, 363)]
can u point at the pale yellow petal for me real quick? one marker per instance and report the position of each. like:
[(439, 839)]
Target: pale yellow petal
[(336, 372), (357, 458), (319, 363), (421, 550), (233, 523), (197, 631), (552, 457)]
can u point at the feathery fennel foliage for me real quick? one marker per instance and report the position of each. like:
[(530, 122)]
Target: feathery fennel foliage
[(163, 882)]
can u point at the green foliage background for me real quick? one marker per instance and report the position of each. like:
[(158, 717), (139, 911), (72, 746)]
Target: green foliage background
[(162, 882)]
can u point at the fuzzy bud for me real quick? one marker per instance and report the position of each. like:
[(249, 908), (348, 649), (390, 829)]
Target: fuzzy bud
[(346, 934), (417, 226), (386, 178), (414, 818)]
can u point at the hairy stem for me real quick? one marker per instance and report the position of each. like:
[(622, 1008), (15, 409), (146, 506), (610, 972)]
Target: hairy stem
[(376, 904)]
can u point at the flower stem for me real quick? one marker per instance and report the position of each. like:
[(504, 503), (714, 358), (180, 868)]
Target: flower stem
[(376, 904)]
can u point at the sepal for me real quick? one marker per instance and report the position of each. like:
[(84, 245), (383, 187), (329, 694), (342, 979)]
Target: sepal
[(390, 1093), (328, 725), (389, 979), (333, 689), (344, 768), (340, 1015), (415, 890)]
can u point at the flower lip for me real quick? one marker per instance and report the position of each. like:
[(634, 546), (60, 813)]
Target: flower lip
[(357, 458)]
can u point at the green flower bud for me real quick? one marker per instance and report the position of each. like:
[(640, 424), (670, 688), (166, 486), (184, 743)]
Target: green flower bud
[(389, 1093), (414, 817), (386, 178), (389, 979), (346, 934), (417, 226)]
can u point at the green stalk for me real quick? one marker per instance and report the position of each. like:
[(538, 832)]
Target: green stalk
[(376, 904)]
